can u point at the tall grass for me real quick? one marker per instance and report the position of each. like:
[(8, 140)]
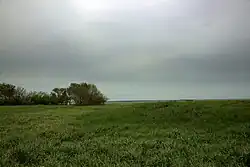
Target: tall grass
[(176, 134)]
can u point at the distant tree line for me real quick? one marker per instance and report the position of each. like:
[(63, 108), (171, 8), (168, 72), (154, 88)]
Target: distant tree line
[(76, 94)]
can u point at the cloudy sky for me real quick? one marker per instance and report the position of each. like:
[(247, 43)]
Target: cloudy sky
[(131, 49)]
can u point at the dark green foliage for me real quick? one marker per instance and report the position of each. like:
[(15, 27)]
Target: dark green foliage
[(7, 92), (86, 94), (174, 134), (79, 94), (60, 96)]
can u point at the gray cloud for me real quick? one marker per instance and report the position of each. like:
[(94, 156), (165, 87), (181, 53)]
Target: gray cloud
[(155, 44)]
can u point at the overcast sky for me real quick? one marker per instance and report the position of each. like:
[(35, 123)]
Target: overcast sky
[(131, 49)]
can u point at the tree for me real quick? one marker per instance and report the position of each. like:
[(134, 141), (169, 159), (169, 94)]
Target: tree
[(60, 96), (86, 94), (20, 96), (80, 94), (39, 98), (53, 98), (7, 92), (76, 92), (95, 95)]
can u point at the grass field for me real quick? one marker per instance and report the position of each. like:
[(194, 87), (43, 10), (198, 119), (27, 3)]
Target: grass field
[(176, 134)]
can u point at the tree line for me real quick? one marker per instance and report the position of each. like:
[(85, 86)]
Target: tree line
[(76, 94)]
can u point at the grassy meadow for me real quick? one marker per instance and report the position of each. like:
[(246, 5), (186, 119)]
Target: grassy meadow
[(169, 134)]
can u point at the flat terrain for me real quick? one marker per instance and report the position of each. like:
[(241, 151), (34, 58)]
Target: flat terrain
[(176, 134)]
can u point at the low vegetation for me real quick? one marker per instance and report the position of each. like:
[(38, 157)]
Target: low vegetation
[(174, 134), (79, 94)]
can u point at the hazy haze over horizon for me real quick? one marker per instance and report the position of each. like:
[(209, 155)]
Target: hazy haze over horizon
[(131, 49)]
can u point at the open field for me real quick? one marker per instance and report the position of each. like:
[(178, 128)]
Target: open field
[(176, 134)]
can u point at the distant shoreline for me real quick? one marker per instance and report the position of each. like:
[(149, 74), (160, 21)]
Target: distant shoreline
[(128, 101)]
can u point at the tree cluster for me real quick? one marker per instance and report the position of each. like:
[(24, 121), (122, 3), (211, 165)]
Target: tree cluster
[(77, 94)]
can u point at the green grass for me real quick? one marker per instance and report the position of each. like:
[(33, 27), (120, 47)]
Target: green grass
[(176, 134)]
